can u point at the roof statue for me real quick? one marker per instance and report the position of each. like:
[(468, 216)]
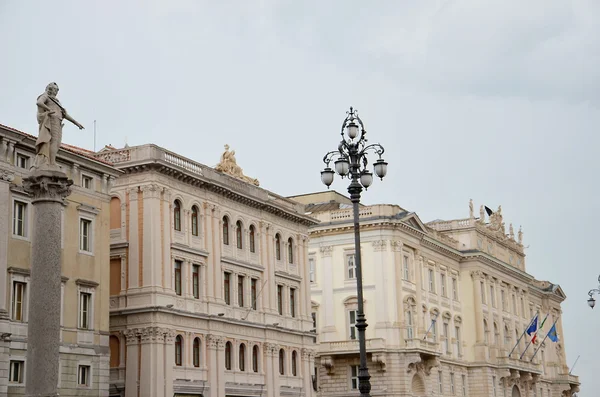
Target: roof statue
[(471, 212), (228, 165), (481, 214), (511, 232), (520, 240), (50, 114)]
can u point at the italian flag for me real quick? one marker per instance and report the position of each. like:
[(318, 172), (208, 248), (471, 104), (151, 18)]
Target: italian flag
[(541, 326)]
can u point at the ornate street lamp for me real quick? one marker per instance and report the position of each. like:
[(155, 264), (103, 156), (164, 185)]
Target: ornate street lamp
[(592, 301), (351, 160)]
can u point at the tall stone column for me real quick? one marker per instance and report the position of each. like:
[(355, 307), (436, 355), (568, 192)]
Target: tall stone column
[(169, 361), (133, 356), (480, 348), (270, 350), (213, 367), (48, 190)]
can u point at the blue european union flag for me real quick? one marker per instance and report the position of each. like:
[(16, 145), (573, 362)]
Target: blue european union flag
[(552, 334), (533, 327)]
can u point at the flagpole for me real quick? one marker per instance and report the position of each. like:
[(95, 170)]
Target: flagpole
[(573, 367), (543, 340), (523, 334), (533, 338), (430, 325)]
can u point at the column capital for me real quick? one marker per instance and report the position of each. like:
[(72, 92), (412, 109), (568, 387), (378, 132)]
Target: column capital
[(215, 341), (379, 245), (326, 251), (131, 336), (169, 335), (477, 275), (46, 185), (272, 349), (7, 176)]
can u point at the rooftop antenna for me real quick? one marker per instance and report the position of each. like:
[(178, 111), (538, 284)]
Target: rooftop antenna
[(94, 136)]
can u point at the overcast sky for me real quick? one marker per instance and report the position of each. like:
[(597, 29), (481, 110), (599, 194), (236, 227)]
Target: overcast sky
[(492, 100)]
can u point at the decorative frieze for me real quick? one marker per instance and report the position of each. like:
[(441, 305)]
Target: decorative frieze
[(379, 245), (326, 251)]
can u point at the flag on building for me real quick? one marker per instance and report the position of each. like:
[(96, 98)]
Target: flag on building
[(541, 326), (552, 335), (533, 327)]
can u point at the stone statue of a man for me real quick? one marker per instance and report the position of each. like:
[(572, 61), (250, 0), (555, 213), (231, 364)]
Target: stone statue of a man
[(50, 115)]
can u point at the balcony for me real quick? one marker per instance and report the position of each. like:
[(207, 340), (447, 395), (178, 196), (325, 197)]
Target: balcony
[(424, 346), (521, 365), (351, 346)]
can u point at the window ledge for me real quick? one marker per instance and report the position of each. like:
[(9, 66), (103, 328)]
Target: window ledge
[(88, 253)]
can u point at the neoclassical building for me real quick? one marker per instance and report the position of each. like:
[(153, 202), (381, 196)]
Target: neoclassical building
[(209, 291), (445, 301), (84, 354)]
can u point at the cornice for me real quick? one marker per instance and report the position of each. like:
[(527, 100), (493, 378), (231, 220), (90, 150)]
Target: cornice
[(221, 189), (288, 276), (245, 264), (189, 250), (498, 265)]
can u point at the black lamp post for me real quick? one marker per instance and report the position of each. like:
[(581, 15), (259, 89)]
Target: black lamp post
[(592, 301), (351, 161)]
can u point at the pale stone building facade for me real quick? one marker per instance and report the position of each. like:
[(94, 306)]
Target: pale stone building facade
[(84, 354), (467, 274), (209, 293)]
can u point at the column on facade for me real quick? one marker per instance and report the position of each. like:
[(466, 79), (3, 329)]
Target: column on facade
[(218, 241), (168, 360), (418, 264), (328, 329), (134, 250), (304, 290), (221, 366), (152, 255), (380, 252), (6, 178), (132, 370), (209, 237), (270, 260), (395, 284), (165, 206), (3, 148), (75, 174), (213, 367), (152, 371), (271, 370), (477, 277), (307, 372), (10, 153)]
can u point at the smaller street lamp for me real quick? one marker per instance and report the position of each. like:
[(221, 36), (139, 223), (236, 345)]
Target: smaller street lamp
[(592, 301)]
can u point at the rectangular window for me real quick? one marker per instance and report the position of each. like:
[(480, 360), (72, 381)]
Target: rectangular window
[(443, 284), (522, 307), (226, 288), (86, 181), (354, 377), (253, 296), (431, 285), (85, 233), (22, 161), (493, 296), (311, 265), (314, 320), (446, 338), (514, 302), (19, 219), (280, 299), (503, 299), (17, 370), (494, 386), (196, 281), (405, 269), (409, 325), (452, 383), (351, 266), (18, 303), (454, 289), (178, 277), (293, 302), (240, 291), (83, 375), (482, 292), (441, 382), (352, 323), (464, 385), (85, 310)]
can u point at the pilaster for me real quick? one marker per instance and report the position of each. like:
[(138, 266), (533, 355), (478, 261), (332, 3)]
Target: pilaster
[(327, 332), (6, 177), (133, 361), (134, 250)]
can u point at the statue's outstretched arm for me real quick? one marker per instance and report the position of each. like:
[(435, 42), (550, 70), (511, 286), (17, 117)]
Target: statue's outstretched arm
[(72, 120)]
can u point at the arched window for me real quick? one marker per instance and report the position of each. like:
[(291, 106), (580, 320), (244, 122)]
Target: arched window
[(238, 234), (194, 221), (409, 324), (242, 357), (115, 213), (290, 250), (252, 233), (177, 215), (278, 247), (486, 332), (225, 230), (196, 352), (178, 350), (496, 335), (281, 361), (294, 358), (255, 358), (228, 355)]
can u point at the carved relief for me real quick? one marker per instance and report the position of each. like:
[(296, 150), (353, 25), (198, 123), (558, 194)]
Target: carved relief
[(396, 245), (379, 245), (6, 176), (477, 275), (131, 336), (326, 251), (228, 165)]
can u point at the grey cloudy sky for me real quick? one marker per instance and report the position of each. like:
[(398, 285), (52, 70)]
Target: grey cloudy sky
[(492, 100)]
